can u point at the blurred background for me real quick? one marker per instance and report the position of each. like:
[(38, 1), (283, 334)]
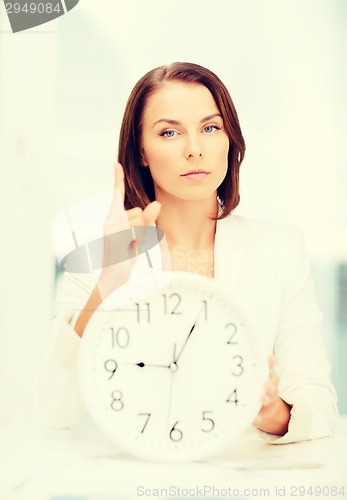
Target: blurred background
[(63, 88)]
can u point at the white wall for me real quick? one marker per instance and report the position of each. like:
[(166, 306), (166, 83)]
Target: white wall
[(62, 95), (27, 159)]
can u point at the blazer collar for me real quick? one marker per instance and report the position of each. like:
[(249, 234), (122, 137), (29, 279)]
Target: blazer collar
[(227, 247)]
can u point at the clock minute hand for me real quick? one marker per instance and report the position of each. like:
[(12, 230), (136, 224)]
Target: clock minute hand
[(188, 337)]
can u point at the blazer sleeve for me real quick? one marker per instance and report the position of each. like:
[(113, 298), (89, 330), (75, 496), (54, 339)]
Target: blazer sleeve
[(57, 394), (302, 367)]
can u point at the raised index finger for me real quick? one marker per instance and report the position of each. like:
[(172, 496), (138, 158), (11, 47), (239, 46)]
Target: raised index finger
[(119, 180), (117, 219)]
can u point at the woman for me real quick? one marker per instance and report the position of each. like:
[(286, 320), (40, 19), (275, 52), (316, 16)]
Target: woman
[(180, 151)]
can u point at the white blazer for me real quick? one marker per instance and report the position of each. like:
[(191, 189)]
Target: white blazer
[(265, 269)]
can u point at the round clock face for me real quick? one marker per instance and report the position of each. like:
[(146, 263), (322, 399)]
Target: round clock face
[(174, 376)]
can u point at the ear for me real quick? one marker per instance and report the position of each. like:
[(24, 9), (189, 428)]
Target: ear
[(144, 162)]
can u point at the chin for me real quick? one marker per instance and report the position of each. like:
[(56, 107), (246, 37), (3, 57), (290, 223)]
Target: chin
[(202, 196), (194, 193)]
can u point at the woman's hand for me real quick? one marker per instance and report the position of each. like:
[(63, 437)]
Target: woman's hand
[(119, 245), (274, 414), (119, 223)]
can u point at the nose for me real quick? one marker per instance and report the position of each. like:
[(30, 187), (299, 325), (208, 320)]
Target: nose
[(193, 148)]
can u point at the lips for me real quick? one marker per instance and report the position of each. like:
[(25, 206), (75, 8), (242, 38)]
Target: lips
[(195, 172), (196, 175)]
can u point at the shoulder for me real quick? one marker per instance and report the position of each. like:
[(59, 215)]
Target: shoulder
[(255, 232)]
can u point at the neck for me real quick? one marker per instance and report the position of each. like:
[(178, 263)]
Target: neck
[(188, 223)]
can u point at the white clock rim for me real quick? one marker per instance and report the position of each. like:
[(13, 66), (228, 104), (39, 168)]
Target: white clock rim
[(176, 455)]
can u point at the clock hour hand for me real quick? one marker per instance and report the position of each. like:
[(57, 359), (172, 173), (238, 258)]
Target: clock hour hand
[(172, 366), (143, 365)]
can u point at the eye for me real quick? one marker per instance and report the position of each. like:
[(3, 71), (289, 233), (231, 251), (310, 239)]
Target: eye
[(168, 133), (211, 128)]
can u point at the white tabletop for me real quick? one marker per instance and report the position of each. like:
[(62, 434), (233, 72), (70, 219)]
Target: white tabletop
[(78, 464)]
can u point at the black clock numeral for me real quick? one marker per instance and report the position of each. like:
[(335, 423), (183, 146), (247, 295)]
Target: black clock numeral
[(139, 310), (208, 421), (145, 415), (238, 369), (111, 367), (175, 434), (175, 301), (233, 329), (117, 403), (121, 337), (233, 398)]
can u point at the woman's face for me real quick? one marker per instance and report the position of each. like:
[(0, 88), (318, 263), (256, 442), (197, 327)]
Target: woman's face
[(184, 143)]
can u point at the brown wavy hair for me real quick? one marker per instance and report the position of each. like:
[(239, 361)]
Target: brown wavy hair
[(139, 187)]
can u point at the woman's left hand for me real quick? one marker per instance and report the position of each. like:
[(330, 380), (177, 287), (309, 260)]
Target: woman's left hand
[(274, 414)]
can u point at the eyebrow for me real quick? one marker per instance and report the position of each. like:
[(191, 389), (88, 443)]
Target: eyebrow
[(175, 122)]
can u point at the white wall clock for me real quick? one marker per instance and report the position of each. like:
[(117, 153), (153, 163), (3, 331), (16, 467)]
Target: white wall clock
[(175, 376)]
